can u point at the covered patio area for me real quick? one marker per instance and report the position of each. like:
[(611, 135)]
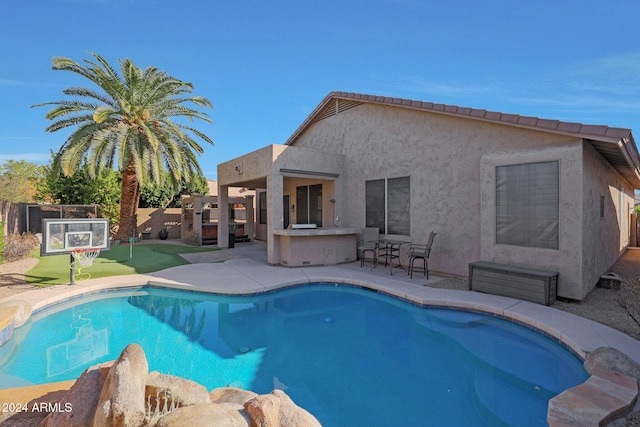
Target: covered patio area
[(301, 197)]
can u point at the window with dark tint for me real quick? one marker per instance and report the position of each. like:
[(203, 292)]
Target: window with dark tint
[(527, 205), (309, 204), (375, 211), (388, 204), (262, 207)]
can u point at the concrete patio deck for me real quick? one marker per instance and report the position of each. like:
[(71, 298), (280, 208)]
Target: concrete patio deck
[(244, 270)]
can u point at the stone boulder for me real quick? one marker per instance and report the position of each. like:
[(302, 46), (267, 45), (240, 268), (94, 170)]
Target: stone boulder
[(231, 395), (264, 411), (122, 400), (205, 415), (278, 410), (291, 415), (167, 392), (612, 359), (123, 393), (81, 398)]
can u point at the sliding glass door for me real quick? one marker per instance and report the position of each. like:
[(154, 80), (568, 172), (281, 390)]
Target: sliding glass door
[(309, 204)]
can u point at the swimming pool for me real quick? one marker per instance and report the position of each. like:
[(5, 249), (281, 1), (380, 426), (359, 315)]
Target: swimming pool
[(348, 355)]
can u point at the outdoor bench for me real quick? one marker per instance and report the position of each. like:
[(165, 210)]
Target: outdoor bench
[(529, 284)]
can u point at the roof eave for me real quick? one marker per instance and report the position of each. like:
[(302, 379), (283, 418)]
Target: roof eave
[(622, 138), (310, 118), (630, 152)]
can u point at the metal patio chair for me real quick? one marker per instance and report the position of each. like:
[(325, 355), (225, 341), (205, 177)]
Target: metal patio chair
[(369, 243), (422, 252)]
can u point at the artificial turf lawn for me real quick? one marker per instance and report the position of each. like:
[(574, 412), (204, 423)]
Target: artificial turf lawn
[(54, 270)]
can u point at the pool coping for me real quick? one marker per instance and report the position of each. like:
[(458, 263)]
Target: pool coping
[(245, 276)]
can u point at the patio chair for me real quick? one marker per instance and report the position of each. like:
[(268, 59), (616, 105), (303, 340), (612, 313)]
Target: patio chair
[(421, 252), (369, 243)]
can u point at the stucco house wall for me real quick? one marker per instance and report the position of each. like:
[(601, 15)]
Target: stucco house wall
[(275, 166), (567, 259), (605, 234), (450, 155), (441, 154)]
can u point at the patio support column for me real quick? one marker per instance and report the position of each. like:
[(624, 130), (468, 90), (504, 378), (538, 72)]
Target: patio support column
[(186, 223), (340, 218), (197, 216), (275, 216), (223, 216), (250, 217)]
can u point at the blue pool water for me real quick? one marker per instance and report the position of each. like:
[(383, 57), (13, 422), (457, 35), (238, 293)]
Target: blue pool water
[(349, 356)]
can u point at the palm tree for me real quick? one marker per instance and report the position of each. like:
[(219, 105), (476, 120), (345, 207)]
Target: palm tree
[(128, 125)]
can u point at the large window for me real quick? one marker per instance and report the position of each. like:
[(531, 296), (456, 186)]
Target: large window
[(388, 203), (527, 205)]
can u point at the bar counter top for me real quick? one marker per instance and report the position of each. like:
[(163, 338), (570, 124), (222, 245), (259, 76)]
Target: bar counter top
[(328, 231)]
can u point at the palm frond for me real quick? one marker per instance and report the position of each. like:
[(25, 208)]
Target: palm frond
[(88, 93), (133, 119), (68, 122), (66, 108)]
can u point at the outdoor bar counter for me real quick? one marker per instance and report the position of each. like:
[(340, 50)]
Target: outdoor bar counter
[(317, 246)]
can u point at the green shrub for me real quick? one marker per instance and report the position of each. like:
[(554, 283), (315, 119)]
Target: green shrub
[(19, 246)]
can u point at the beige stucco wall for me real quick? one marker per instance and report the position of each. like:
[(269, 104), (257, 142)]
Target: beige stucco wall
[(155, 219), (451, 161), (442, 155), (567, 259), (274, 166), (605, 238)]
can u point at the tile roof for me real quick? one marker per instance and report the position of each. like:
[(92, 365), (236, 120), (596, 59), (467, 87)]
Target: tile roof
[(615, 144)]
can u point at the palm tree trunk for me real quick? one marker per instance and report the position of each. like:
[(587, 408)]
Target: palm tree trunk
[(129, 198)]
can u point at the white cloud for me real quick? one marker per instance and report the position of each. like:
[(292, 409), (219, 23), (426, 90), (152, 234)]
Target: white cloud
[(586, 102), (607, 85), (24, 83), (446, 89), (626, 66), (10, 82)]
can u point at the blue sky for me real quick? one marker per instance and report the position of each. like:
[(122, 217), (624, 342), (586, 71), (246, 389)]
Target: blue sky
[(266, 65)]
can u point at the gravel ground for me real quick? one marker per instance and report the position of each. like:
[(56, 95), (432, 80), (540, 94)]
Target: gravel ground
[(12, 277), (601, 304)]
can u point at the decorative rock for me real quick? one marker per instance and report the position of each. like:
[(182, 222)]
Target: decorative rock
[(205, 415), (612, 359), (168, 391), (81, 399), (291, 415), (121, 402), (264, 411), (278, 410), (605, 396), (113, 395), (231, 395)]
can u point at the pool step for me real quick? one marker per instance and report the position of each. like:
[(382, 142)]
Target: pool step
[(513, 406), (448, 318), (495, 345)]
